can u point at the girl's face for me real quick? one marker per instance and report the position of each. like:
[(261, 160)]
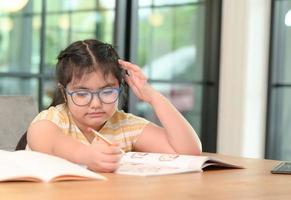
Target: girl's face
[(96, 113)]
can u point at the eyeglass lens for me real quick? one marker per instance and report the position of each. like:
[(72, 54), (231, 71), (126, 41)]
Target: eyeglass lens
[(107, 95)]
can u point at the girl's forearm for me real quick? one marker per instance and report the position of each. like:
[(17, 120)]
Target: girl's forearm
[(52, 141), (180, 133), (71, 149)]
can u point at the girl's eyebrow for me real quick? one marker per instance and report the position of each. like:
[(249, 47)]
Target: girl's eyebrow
[(80, 87)]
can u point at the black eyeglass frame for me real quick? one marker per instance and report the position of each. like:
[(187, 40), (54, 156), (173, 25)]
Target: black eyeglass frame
[(97, 92)]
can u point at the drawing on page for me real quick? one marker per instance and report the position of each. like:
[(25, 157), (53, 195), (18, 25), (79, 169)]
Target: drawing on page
[(168, 157)]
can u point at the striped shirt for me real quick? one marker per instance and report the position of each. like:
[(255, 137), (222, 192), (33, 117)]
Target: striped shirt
[(122, 127)]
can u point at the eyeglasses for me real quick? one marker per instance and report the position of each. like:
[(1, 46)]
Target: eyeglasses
[(84, 97)]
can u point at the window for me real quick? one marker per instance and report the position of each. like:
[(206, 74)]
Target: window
[(175, 42), (279, 109), (172, 45), (19, 47), (31, 39)]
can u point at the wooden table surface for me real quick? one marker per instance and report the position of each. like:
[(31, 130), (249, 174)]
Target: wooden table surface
[(253, 182)]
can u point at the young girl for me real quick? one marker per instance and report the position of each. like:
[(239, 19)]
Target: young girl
[(91, 77)]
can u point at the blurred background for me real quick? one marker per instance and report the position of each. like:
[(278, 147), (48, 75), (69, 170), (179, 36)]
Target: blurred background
[(224, 64)]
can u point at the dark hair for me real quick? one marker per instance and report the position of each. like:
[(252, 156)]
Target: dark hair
[(82, 57)]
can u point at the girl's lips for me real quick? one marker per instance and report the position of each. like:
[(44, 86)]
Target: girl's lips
[(95, 114)]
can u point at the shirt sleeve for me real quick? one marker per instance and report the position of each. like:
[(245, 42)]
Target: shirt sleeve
[(138, 123), (52, 114)]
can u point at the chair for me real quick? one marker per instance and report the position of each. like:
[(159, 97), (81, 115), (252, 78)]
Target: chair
[(16, 114)]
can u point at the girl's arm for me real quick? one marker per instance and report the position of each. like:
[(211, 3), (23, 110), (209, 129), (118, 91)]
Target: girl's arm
[(176, 135), (44, 136)]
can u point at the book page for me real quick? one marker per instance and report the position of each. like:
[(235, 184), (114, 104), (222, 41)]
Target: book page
[(10, 170), (146, 164), (35, 166)]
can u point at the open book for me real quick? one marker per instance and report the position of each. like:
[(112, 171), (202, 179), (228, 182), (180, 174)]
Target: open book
[(39, 167), (151, 164)]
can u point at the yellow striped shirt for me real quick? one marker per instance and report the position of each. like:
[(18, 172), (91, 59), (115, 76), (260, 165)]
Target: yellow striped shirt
[(122, 127)]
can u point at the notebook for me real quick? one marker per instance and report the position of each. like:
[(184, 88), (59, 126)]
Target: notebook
[(153, 164), (40, 167)]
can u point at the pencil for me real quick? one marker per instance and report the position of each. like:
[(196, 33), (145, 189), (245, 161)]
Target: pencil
[(104, 138)]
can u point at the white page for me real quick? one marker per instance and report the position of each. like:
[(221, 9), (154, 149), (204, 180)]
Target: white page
[(44, 166), (9, 169), (144, 164)]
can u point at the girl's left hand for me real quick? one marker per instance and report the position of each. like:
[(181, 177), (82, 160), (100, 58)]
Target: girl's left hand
[(137, 81)]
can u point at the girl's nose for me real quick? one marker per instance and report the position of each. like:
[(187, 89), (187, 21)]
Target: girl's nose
[(95, 103)]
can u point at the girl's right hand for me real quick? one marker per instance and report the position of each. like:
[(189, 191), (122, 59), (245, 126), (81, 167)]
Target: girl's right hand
[(103, 157)]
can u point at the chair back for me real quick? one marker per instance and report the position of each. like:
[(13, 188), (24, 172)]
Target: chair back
[(16, 113)]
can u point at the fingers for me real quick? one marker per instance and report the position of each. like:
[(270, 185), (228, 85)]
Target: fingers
[(105, 167), (105, 148), (132, 70), (135, 80), (115, 158), (131, 80), (128, 66), (133, 86), (104, 157)]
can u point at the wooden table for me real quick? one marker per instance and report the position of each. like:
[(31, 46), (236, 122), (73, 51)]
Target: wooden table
[(255, 182)]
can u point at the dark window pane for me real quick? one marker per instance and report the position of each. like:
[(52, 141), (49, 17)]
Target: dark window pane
[(148, 3), (279, 129), (18, 86), (75, 26), (76, 5), (173, 2), (93, 25), (282, 43), (19, 41), (280, 112), (171, 51), (21, 38), (168, 52)]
